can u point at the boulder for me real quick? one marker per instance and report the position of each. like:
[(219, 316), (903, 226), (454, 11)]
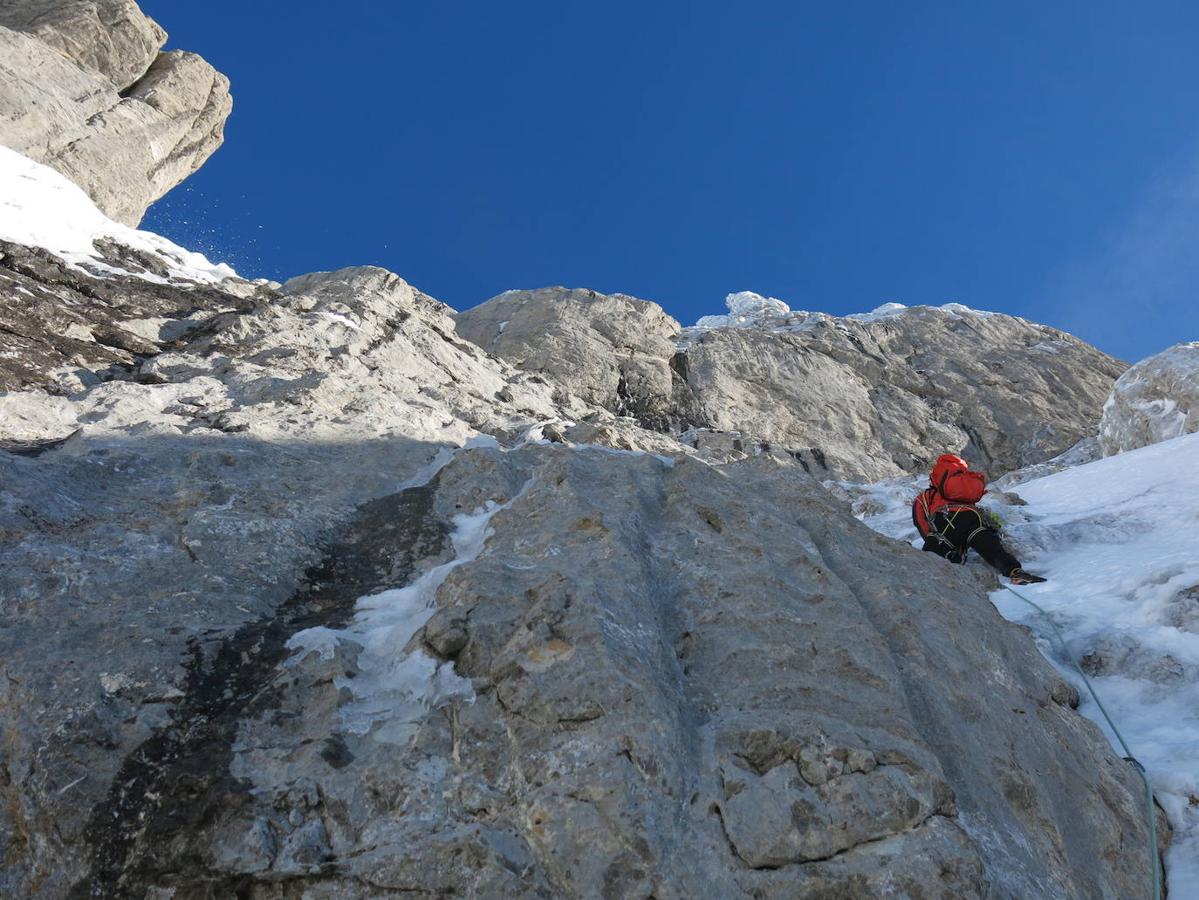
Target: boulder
[(1155, 400), (84, 90)]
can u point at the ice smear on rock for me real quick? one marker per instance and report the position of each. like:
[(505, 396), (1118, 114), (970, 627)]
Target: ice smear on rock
[(41, 208), (1118, 539), (393, 687)]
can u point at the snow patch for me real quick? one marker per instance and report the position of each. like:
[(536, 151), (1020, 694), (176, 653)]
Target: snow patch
[(41, 208)]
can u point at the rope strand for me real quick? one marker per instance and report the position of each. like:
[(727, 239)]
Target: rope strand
[(1128, 757)]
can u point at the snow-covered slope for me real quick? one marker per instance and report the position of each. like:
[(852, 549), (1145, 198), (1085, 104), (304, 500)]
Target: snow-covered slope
[(41, 208), (1119, 541)]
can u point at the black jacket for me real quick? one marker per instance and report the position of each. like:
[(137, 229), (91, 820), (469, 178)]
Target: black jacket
[(958, 529)]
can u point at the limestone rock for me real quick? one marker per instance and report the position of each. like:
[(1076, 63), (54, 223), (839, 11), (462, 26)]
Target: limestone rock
[(111, 38), (612, 350), (1155, 400), (305, 594), (84, 90), (64, 329), (642, 702), (868, 396)]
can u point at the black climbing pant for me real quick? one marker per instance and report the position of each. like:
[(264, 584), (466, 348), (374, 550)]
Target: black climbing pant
[(958, 530)]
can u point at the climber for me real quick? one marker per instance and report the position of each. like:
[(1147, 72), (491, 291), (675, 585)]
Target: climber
[(951, 524)]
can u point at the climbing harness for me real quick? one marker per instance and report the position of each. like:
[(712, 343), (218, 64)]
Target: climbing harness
[(1128, 757)]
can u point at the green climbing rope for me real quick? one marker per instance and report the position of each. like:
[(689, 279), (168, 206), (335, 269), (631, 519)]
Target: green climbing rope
[(1149, 802)]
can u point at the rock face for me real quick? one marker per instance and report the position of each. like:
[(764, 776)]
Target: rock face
[(1155, 400), (613, 350), (299, 600), (867, 396), (111, 38), (63, 328), (85, 90)]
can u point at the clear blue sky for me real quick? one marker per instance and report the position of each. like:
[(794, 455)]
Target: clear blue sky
[(1035, 158)]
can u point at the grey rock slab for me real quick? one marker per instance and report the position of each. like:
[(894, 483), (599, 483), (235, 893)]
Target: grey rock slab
[(786, 705)]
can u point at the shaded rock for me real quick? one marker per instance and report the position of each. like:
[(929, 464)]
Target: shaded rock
[(1155, 400)]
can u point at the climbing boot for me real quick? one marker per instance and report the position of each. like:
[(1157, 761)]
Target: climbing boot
[(1019, 576)]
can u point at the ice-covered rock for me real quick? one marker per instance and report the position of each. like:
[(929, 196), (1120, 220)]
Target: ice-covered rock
[(85, 90), (1123, 589), (1155, 400), (637, 678), (747, 309)]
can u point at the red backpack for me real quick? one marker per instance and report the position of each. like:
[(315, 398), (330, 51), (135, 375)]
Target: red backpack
[(951, 485)]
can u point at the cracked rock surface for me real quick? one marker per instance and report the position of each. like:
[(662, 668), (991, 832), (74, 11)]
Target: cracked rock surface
[(85, 90), (855, 397), (307, 595), (652, 674)]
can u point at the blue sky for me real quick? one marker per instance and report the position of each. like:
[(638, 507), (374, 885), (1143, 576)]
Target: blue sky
[(1038, 158)]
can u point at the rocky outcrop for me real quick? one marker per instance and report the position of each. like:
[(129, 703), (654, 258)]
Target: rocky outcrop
[(62, 329), (111, 38), (85, 90), (308, 593), (1155, 400), (867, 396), (613, 350)]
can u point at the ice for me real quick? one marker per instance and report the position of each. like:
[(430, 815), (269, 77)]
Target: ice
[(41, 208), (1118, 539), (879, 312), (394, 688), (745, 310), (749, 310)]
